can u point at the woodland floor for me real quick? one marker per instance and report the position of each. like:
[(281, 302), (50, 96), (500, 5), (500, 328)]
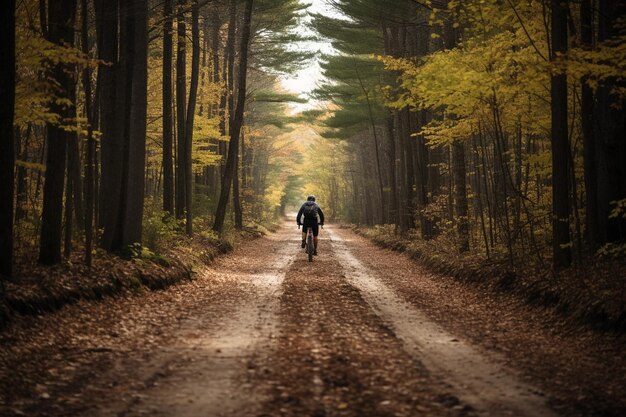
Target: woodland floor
[(361, 331)]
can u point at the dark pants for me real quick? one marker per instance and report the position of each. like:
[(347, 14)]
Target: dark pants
[(313, 225)]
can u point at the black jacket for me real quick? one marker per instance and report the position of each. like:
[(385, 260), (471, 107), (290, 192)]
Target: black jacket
[(309, 203)]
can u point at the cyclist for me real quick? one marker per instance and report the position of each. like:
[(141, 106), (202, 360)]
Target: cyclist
[(310, 210)]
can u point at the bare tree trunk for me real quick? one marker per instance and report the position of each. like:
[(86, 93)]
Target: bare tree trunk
[(7, 145), (74, 171), (67, 245), (191, 110), (610, 128), (134, 189), (560, 144), (89, 164), (589, 142), (237, 196), (231, 163), (61, 15), (168, 163), (226, 101), (181, 93), (393, 206), (112, 102)]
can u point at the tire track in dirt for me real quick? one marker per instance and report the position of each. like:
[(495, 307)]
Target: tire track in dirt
[(336, 357), (208, 370), (475, 378)]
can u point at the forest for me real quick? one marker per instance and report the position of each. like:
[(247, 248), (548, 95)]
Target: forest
[(137, 115), (497, 124), (469, 157), (490, 128)]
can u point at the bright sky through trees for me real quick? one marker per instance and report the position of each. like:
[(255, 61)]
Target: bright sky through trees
[(305, 80)]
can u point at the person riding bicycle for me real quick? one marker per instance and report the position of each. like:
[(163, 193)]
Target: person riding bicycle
[(310, 210)]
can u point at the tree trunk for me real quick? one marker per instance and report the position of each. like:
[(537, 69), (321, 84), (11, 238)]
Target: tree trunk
[(238, 214), (89, 163), (21, 196), (560, 144), (7, 145), (69, 196), (111, 105), (610, 129), (61, 16), (235, 131), (589, 142), (74, 171), (402, 185), (191, 110), (134, 189), (393, 205), (237, 196), (181, 102), (125, 178), (168, 167)]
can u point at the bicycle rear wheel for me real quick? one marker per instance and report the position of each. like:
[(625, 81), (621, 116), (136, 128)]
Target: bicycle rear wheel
[(310, 248)]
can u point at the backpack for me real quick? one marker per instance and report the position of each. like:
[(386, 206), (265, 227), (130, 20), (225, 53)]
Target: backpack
[(310, 211)]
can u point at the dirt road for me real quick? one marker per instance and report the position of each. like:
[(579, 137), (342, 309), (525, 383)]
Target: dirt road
[(359, 332)]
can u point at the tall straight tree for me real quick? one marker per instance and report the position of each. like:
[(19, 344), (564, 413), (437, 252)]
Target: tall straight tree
[(562, 256), (90, 162), (134, 187), (181, 102), (611, 129), (111, 105), (124, 177), (589, 140), (168, 168), (230, 80), (7, 146), (191, 110), (61, 17), (237, 120)]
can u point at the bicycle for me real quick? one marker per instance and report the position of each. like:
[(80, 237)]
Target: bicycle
[(309, 248)]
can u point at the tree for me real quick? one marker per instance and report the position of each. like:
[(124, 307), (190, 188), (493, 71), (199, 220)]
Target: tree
[(237, 121), (589, 140), (91, 151), (7, 147), (610, 128), (168, 168), (111, 84), (123, 142), (181, 102), (561, 242), (134, 189), (61, 17), (191, 111)]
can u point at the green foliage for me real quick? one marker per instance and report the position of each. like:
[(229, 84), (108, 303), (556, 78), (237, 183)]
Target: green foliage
[(160, 229)]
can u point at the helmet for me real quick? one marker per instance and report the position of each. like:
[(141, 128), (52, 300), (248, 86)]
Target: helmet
[(310, 198)]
